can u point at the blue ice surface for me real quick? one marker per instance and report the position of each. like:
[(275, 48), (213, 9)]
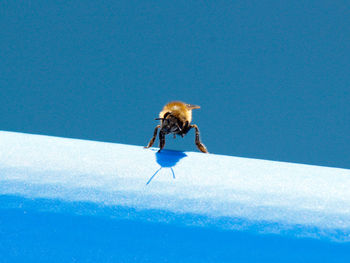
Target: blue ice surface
[(64, 200)]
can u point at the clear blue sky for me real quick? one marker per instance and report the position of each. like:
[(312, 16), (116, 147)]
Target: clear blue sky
[(272, 77)]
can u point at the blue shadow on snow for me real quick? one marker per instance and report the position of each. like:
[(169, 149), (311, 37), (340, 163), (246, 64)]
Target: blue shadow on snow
[(167, 159)]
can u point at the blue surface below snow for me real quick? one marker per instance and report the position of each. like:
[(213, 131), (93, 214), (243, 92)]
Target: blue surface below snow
[(31, 231)]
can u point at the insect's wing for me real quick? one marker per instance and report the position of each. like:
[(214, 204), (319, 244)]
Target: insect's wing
[(191, 106)]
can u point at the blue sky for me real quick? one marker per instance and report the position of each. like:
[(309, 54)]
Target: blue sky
[(272, 77)]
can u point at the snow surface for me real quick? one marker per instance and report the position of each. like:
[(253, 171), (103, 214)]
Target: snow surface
[(185, 188)]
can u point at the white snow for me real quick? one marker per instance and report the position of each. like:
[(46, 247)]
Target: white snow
[(208, 189)]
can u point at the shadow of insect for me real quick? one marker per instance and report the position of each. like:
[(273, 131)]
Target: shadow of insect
[(167, 159)]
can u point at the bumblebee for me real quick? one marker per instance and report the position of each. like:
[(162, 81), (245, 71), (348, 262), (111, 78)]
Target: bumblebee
[(176, 118)]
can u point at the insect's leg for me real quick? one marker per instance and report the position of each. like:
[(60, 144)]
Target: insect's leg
[(179, 128), (185, 129), (154, 137), (177, 125), (161, 140), (198, 142)]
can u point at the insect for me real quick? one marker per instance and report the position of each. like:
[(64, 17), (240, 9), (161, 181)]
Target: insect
[(175, 118)]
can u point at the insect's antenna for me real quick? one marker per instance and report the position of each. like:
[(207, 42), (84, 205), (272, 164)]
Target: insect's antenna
[(159, 119)]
